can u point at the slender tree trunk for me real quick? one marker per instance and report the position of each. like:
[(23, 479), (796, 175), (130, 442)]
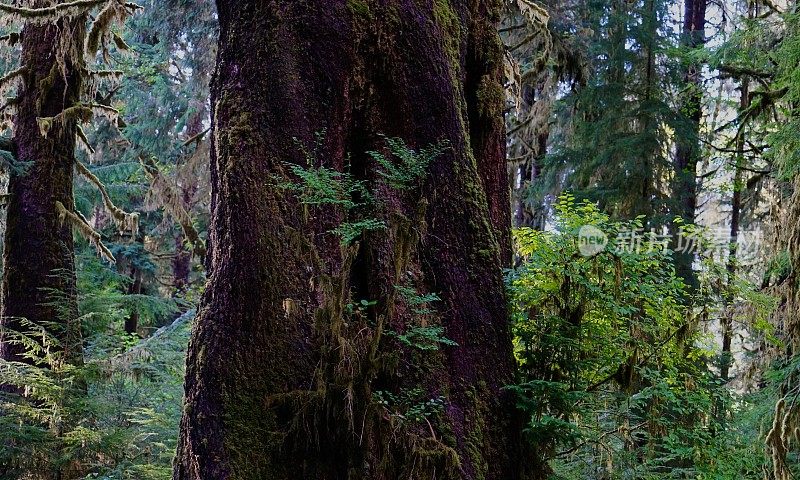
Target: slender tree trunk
[(687, 154), (181, 264), (727, 319), (39, 274), (646, 204), (285, 374), (736, 210), (135, 288)]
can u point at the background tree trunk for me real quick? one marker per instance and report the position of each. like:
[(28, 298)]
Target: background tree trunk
[(39, 263), (282, 380), (687, 154), (530, 211)]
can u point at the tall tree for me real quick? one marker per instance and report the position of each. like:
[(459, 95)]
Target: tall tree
[(614, 146), (55, 94), (687, 149), (381, 358), (175, 45), (39, 264), (546, 56)]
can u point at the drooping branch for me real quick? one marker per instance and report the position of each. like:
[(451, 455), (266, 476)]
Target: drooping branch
[(172, 203), (736, 71), (11, 75), (61, 9), (126, 222), (81, 225), (197, 138), (83, 141), (80, 112), (7, 80), (142, 351), (766, 99)]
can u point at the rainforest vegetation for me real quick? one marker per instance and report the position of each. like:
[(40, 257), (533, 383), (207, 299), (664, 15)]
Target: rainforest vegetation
[(399, 239)]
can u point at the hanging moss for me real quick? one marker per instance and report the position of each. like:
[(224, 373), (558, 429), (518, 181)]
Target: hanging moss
[(81, 225), (9, 80), (126, 222), (113, 13), (76, 113), (168, 197), (359, 8), (51, 13)]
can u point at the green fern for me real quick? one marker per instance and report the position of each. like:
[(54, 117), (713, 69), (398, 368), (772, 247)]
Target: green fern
[(324, 186), (351, 231), (423, 338), (405, 168)]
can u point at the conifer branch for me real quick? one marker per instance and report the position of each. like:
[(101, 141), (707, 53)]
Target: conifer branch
[(7, 80), (81, 225), (170, 200), (12, 74), (74, 7), (126, 222), (196, 138)]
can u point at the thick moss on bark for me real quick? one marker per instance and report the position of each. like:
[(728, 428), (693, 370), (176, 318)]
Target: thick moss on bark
[(39, 265), (281, 375)]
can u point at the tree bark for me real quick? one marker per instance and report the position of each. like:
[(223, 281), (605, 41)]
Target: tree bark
[(283, 372), (687, 154), (726, 360), (132, 320), (39, 264)]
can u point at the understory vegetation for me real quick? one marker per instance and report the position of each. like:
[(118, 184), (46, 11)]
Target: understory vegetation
[(617, 379)]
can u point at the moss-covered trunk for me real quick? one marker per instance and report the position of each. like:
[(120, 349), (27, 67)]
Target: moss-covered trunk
[(39, 263), (290, 375)]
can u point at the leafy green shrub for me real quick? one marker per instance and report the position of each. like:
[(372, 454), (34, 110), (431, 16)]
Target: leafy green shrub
[(614, 376)]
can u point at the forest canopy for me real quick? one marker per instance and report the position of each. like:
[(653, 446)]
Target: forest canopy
[(394, 239)]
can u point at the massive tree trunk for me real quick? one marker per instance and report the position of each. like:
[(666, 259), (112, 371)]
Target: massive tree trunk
[(39, 264), (687, 154), (289, 375)]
